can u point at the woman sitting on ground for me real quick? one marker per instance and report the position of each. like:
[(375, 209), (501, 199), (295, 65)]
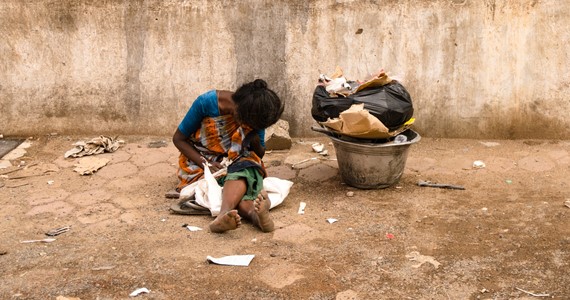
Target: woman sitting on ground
[(226, 124)]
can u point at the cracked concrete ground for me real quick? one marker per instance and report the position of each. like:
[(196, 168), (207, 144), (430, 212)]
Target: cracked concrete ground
[(508, 232)]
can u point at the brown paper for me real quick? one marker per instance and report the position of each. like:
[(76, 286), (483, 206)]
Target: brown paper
[(358, 122), (89, 165), (377, 81)]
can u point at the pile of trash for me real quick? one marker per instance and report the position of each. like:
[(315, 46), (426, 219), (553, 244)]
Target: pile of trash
[(378, 107), (97, 145)]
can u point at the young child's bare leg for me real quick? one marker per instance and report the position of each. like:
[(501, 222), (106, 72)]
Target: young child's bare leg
[(257, 211), (229, 219), (226, 221)]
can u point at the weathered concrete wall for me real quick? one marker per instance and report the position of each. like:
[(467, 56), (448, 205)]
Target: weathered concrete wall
[(485, 68)]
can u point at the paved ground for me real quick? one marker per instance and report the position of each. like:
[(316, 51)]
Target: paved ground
[(505, 236)]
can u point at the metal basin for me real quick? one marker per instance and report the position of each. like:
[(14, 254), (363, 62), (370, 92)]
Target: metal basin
[(373, 165)]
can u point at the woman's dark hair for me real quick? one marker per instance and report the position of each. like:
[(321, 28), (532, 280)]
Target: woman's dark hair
[(257, 105)]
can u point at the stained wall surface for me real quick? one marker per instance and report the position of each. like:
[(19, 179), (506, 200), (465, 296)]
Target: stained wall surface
[(475, 69)]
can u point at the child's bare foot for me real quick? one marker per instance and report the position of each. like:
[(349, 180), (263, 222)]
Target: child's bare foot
[(227, 221), (262, 218)]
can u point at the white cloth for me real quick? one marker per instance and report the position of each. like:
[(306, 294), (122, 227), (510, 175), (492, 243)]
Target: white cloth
[(208, 192)]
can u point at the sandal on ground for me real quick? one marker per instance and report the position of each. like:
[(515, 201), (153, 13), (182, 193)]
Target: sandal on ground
[(189, 207), (173, 194)]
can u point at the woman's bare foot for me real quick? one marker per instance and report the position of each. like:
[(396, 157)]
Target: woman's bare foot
[(261, 218), (227, 221)]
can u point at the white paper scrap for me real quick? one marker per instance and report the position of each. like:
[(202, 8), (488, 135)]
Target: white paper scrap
[(318, 147), (490, 144), (193, 228), (138, 292), (232, 260), (302, 208), (332, 220), (478, 164)]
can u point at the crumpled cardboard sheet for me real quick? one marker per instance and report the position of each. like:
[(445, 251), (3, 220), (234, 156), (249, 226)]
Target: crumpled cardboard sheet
[(97, 145), (359, 123), (90, 165)]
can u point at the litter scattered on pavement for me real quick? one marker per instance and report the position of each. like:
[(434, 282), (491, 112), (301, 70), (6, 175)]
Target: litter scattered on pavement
[(318, 147), (66, 298), (139, 291), (97, 145), (58, 231), (440, 185), (193, 228), (103, 268), (303, 161), (478, 164), (232, 260), (48, 240), (157, 144), (302, 206), (421, 259), (332, 220), (533, 294), (389, 236), (489, 144), (90, 165)]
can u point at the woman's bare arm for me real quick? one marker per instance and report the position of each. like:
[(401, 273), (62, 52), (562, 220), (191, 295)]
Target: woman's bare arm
[(181, 142), (187, 148)]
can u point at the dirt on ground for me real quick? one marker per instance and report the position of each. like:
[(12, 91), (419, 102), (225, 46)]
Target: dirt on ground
[(505, 236)]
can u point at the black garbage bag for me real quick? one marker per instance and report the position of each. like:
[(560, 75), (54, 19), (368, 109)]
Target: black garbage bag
[(390, 103)]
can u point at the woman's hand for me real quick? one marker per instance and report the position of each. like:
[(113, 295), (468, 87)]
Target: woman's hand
[(213, 165)]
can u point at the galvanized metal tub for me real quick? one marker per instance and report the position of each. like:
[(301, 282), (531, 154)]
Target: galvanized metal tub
[(370, 165)]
